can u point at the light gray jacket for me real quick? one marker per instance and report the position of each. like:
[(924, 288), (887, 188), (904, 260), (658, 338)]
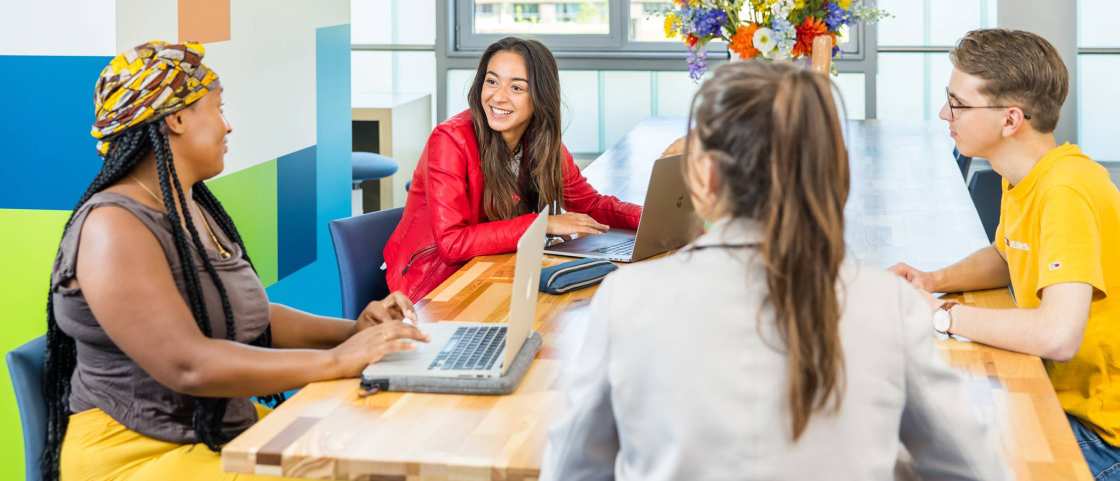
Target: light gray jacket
[(679, 378)]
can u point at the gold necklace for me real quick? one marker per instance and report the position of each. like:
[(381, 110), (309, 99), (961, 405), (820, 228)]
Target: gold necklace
[(213, 238)]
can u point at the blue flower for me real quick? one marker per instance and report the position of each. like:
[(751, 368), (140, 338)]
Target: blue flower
[(780, 25), (785, 34), (709, 21), (697, 63), (836, 17)]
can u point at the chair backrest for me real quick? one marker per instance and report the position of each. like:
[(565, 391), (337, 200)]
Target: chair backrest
[(963, 162), (25, 366), (986, 190), (358, 245)]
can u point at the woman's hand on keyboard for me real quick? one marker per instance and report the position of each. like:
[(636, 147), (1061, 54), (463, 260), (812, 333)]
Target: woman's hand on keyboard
[(574, 223), (393, 308), (371, 345)]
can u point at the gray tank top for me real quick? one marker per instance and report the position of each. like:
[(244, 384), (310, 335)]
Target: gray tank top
[(106, 378)]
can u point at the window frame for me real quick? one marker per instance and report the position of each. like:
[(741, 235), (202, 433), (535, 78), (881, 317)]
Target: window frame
[(617, 44), (457, 47), (466, 40)]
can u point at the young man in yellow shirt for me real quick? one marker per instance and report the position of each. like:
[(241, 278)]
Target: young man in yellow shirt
[(1058, 240)]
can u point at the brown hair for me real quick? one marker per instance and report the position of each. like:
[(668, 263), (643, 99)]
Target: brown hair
[(1018, 67), (773, 133), (541, 141)]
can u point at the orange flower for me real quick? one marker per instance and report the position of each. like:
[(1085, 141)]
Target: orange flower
[(742, 42), (691, 40), (806, 32)]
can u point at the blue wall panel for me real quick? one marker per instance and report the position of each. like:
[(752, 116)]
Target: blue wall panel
[(48, 156), (295, 210), (314, 288)]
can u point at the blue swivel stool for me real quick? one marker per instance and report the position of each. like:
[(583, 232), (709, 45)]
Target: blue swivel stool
[(25, 365), (367, 169), (358, 245)]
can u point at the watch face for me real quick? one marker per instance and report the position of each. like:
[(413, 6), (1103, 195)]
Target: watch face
[(941, 321)]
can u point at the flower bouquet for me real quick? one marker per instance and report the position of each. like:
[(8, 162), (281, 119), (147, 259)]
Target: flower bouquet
[(768, 29)]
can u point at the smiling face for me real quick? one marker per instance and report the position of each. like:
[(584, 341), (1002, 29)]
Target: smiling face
[(505, 95), (976, 131), (198, 137)]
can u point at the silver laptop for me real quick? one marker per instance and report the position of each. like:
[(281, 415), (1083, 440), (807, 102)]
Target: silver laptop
[(668, 222), (476, 349)]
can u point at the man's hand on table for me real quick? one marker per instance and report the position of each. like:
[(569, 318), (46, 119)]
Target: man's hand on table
[(921, 279)]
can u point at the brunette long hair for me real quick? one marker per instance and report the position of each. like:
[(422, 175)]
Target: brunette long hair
[(773, 132), (541, 140)]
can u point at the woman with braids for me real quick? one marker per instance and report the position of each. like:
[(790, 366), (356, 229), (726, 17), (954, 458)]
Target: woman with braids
[(775, 357), (485, 171), (158, 327)]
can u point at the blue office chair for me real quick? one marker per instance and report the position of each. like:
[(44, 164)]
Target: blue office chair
[(358, 245), (25, 366), (963, 162), (986, 190)]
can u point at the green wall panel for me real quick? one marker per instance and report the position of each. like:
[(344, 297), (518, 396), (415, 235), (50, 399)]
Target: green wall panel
[(28, 243), (249, 196)]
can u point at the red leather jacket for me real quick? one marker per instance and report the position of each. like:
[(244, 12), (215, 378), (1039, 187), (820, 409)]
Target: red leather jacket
[(444, 225)]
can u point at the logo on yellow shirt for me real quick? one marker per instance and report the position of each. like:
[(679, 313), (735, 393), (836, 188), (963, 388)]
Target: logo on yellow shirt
[(1055, 266), (1014, 244)]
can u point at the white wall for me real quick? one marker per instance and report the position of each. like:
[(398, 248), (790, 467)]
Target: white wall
[(1056, 21), (34, 27), (1097, 96), (266, 42)]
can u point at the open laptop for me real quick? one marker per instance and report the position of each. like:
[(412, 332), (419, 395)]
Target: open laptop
[(474, 350), (668, 222)]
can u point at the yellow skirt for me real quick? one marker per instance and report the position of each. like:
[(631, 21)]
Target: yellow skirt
[(99, 448)]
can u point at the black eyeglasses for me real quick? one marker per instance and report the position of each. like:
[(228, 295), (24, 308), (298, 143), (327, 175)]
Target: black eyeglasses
[(954, 108)]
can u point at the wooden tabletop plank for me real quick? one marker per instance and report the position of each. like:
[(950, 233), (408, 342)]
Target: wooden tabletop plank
[(432, 436), (907, 203)]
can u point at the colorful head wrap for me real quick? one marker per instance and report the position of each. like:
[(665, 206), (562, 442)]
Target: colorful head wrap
[(146, 83)]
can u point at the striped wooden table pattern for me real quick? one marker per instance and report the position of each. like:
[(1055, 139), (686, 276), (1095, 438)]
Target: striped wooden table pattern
[(1012, 391), (327, 431)]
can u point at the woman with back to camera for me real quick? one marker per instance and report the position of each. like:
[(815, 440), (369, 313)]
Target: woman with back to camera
[(759, 352), (486, 170)]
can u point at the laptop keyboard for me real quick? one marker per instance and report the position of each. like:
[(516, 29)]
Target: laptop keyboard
[(622, 248), (471, 348)]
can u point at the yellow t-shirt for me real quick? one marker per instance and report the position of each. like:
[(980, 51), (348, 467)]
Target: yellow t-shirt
[(1061, 223)]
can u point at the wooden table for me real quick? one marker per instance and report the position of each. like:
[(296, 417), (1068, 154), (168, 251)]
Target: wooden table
[(904, 205)]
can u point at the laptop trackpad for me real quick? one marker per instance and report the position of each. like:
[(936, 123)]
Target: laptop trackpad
[(419, 350)]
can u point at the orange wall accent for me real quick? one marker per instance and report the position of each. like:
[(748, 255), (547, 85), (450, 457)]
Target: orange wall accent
[(203, 21)]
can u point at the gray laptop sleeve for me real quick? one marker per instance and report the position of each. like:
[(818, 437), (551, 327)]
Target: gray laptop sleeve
[(450, 385)]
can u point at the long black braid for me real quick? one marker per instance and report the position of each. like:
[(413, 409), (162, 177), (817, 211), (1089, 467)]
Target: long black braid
[(128, 148)]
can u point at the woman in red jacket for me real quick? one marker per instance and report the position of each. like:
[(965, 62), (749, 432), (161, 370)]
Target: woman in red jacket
[(486, 170)]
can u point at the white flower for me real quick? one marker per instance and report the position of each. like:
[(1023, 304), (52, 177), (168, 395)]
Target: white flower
[(842, 35), (781, 53), (765, 42), (782, 8)]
